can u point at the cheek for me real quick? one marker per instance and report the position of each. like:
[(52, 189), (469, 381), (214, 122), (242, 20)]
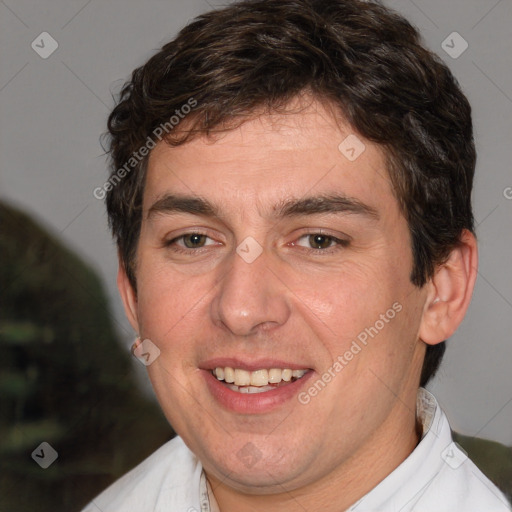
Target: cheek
[(365, 304), (346, 299), (169, 304)]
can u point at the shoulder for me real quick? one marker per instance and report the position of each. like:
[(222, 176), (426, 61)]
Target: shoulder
[(170, 475), (462, 487)]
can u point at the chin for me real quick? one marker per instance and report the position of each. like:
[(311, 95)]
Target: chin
[(252, 472)]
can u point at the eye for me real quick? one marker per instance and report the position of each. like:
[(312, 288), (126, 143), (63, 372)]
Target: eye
[(320, 242), (189, 241)]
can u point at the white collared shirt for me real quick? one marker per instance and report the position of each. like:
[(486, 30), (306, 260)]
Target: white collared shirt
[(436, 477)]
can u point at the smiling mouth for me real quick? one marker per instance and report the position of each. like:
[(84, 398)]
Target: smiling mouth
[(258, 381)]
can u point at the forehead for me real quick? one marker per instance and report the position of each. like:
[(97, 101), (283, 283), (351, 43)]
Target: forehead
[(271, 158)]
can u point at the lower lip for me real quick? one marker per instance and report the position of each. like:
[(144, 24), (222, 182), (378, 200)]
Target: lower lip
[(253, 403)]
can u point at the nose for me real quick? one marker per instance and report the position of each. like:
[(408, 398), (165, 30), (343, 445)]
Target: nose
[(250, 297)]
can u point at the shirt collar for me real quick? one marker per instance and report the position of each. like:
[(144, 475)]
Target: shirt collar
[(411, 479), (207, 498)]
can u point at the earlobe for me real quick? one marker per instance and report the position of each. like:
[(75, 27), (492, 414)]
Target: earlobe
[(128, 297), (450, 291)]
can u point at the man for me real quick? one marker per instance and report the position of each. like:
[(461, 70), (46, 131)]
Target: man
[(291, 199)]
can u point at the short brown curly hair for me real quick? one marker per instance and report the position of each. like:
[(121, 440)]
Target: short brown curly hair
[(362, 58)]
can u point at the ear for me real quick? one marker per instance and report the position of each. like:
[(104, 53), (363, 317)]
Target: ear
[(450, 291), (128, 296)]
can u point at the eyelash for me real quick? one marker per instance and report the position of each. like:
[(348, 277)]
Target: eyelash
[(338, 244)]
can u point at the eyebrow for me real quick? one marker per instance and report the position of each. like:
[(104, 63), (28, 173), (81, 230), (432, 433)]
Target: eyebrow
[(326, 204), (314, 205), (187, 204)]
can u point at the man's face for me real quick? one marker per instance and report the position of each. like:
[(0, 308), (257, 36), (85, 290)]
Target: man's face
[(268, 249)]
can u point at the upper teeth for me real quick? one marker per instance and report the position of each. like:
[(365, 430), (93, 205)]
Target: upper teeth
[(263, 377)]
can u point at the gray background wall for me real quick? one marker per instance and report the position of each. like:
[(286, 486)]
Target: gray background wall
[(53, 110)]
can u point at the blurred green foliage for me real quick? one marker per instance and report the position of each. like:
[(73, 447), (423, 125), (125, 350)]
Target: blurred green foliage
[(493, 459), (64, 377)]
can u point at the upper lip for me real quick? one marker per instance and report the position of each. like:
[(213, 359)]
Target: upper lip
[(250, 365)]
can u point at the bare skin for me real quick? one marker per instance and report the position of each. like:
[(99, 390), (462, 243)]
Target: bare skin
[(296, 302)]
